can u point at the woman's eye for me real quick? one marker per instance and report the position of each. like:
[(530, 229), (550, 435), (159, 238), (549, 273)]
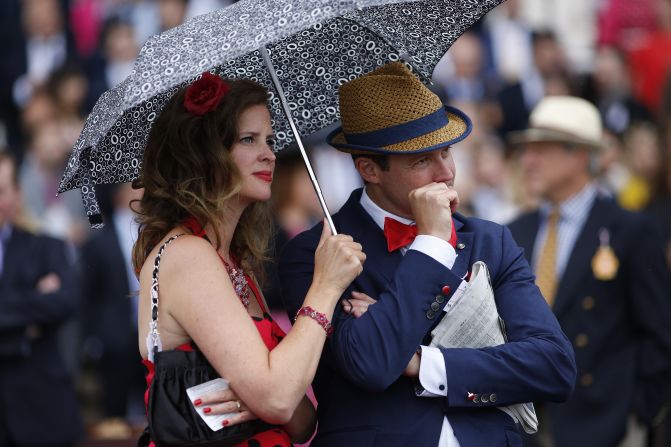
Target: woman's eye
[(247, 140), (270, 142)]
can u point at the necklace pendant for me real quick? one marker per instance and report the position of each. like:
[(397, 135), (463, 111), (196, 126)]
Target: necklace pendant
[(239, 281)]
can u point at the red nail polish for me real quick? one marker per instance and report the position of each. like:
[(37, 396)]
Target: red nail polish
[(207, 410), (225, 422), (198, 402)]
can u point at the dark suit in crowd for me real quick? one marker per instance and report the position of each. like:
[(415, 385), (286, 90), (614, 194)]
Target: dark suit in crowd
[(38, 405), (619, 327)]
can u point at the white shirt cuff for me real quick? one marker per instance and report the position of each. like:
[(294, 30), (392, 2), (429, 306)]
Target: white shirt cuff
[(439, 249), (432, 374)]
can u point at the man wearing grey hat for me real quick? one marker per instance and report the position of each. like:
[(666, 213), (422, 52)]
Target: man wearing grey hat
[(379, 383), (602, 271)]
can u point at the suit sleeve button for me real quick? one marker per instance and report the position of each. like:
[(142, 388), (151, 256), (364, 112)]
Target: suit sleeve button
[(430, 315), (493, 398), (435, 306), (484, 398), (440, 299), (447, 290), (476, 399)]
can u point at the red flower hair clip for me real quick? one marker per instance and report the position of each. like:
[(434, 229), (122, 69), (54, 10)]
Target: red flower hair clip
[(205, 94)]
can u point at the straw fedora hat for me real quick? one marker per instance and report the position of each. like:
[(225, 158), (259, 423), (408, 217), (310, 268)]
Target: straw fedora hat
[(390, 111), (562, 119)]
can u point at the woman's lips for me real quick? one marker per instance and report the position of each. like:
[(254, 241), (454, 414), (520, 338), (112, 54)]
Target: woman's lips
[(266, 176)]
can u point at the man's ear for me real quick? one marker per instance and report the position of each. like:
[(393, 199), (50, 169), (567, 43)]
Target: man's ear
[(368, 169)]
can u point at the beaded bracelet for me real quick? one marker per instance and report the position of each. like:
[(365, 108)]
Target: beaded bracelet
[(317, 316)]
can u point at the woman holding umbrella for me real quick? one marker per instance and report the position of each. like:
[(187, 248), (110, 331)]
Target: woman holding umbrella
[(206, 175)]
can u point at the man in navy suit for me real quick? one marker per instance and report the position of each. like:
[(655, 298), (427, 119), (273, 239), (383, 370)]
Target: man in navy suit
[(602, 270), (378, 382), (37, 294)]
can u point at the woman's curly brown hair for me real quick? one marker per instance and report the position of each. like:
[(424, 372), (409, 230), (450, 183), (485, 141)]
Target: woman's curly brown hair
[(188, 171)]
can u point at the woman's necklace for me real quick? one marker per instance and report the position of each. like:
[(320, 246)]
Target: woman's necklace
[(239, 281)]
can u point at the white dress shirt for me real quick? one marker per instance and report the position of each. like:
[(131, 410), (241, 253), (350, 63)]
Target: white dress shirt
[(125, 227), (432, 371)]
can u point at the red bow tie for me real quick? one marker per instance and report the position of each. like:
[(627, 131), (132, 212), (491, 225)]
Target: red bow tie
[(399, 234)]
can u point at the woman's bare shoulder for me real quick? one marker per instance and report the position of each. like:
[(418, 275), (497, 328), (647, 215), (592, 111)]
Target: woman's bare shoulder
[(182, 254)]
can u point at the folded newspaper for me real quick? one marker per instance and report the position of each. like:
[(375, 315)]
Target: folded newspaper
[(471, 320)]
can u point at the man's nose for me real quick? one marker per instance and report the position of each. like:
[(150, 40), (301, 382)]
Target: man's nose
[(444, 172)]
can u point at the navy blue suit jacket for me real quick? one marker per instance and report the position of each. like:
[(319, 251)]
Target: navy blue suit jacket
[(620, 327), (363, 398), (34, 380)]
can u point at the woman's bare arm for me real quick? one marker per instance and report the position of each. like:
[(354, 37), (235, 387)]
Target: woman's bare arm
[(197, 293)]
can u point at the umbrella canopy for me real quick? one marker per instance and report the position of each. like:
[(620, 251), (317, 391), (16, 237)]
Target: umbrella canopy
[(301, 51)]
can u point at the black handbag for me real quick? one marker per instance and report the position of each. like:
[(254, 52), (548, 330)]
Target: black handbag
[(173, 421)]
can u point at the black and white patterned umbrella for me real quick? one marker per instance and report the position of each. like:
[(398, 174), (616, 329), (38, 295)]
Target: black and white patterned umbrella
[(300, 50)]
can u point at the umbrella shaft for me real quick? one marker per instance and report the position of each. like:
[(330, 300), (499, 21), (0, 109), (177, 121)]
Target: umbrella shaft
[(287, 112)]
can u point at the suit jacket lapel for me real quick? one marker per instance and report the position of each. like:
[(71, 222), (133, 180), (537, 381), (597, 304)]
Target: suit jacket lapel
[(581, 256), (465, 240), (526, 237)]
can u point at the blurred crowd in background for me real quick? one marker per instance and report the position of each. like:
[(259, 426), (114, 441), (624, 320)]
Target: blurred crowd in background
[(60, 55)]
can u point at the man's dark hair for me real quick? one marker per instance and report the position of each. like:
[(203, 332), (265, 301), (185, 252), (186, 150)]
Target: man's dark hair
[(382, 160)]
